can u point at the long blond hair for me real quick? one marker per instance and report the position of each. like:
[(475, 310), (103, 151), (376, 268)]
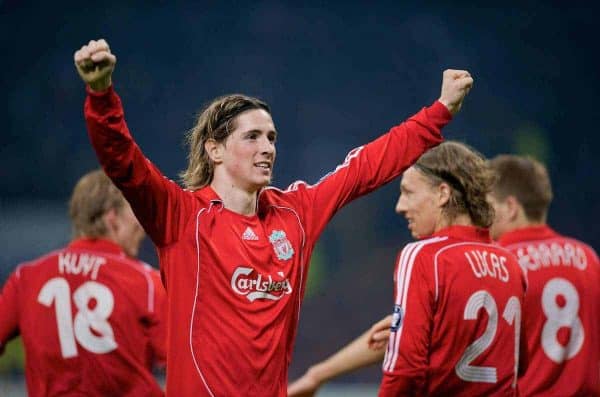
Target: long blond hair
[(468, 175)]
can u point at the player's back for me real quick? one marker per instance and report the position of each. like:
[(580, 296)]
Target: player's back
[(85, 314), (561, 309), (479, 290)]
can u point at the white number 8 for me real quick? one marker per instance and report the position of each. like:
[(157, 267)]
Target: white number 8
[(558, 317), (57, 290)]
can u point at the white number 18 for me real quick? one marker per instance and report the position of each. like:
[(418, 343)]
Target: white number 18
[(80, 328)]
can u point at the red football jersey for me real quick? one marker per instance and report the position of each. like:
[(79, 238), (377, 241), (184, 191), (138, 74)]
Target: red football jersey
[(562, 312), (88, 317), (235, 283), (456, 320)]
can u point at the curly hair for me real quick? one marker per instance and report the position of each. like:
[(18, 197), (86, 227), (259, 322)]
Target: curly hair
[(215, 121), (468, 175)]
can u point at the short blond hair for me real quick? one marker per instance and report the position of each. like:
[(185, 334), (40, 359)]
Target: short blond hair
[(93, 195)]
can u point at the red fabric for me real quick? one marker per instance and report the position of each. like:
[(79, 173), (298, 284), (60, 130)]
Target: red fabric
[(574, 296), (434, 280), (112, 356), (234, 296)]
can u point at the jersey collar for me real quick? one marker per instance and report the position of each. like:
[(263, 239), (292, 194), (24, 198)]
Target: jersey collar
[(468, 233), (527, 233), (97, 244), (208, 193)]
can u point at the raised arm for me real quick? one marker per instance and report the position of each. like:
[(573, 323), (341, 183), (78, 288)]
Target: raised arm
[(370, 166), (157, 202)]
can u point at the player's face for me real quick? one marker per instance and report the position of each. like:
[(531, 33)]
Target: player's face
[(249, 151), (501, 217), (419, 204), (128, 231)]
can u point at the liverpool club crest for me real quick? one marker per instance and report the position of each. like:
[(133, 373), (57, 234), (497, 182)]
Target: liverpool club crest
[(282, 246)]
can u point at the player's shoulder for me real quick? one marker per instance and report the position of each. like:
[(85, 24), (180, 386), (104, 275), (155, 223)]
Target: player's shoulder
[(425, 248), (118, 265), (135, 265), (588, 249), (201, 197), (33, 266), (558, 243), (151, 270), (296, 186), (289, 196), (450, 247)]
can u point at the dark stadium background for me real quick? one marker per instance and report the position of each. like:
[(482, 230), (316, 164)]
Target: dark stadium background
[(336, 74)]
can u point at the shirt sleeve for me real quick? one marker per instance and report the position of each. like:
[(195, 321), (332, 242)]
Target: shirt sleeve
[(157, 202), (9, 312), (406, 359), (372, 165)]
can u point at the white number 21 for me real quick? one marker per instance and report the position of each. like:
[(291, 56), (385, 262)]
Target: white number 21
[(511, 314), (80, 328)]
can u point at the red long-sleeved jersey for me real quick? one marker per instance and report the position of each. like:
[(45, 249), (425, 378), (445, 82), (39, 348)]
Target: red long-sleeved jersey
[(91, 320), (562, 312), (235, 283), (456, 321)]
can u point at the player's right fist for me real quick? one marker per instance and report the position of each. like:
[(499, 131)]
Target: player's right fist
[(455, 86), (95, 64)]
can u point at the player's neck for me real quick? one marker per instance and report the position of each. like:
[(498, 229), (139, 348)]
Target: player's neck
[(235, 199), (519, 220), (458, 220), (462, 220), (524, 223)]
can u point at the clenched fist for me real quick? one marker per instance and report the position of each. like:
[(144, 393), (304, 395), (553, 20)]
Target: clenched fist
[(95, 64), (455, 86)]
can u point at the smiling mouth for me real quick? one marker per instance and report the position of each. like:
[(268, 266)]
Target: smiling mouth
[(263, 165)]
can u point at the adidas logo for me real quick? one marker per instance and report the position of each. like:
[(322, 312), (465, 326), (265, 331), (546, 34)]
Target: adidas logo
[(249, 234)]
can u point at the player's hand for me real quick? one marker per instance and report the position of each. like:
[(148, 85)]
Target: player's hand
[(455, 86), (305, 386), (95, 64), (379, 334)]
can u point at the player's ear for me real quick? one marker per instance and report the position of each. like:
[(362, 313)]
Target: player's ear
[(110, 222), (214, 150), (513, 207), (444, 193)]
